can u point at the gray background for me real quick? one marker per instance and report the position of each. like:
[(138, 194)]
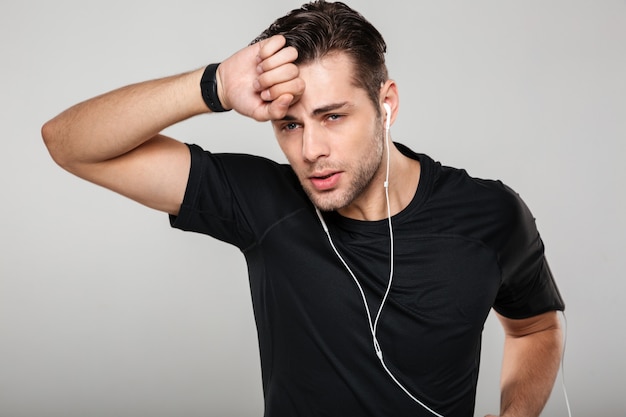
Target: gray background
[(106, 311)]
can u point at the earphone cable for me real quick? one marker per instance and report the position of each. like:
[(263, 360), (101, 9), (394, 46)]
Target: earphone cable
[(373, 325)]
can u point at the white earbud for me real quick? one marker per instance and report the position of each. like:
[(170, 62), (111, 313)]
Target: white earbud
[(388, 110), (387, 125)]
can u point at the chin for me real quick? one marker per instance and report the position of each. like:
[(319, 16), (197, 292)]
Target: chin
[(323, 204), (328, 202)]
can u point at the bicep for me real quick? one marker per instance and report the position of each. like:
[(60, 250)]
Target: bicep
[(154, 174), (524, 327)]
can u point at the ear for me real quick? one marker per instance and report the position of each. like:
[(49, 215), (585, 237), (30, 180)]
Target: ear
[(389, 96)]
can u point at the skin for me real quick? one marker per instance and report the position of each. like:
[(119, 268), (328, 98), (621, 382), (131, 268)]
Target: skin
[(334, 139), (532, 355), (113, 140), (330, 132)]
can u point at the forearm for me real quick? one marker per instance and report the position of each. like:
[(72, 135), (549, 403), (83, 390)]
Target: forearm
[(262, 81), (112, 124), (530, 365)]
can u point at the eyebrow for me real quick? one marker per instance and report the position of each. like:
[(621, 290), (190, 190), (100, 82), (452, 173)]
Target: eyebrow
[(319, 110)]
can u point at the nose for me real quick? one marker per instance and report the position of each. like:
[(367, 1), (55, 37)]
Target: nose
[(314, 144)]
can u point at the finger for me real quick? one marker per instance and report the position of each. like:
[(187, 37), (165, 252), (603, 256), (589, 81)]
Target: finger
[(294, 87), (272, 110), (270, 46), (283, 56), (279, 107), (282, 74)]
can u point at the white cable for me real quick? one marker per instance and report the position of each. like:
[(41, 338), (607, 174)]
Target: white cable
[(379, 352), (332, 244), (374, 325), (569, 410), (391, 246), (407, 391)]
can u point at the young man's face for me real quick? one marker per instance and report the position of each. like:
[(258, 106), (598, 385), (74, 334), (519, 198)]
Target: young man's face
[(333, 136)]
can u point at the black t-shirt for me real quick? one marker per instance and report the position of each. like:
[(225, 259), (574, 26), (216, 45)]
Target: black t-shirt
[(461, 247)]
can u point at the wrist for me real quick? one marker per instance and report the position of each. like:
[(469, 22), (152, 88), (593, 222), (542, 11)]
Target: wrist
[(209, 88)]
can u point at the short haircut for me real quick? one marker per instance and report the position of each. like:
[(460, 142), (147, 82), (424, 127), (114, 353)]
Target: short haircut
[(321, 28)]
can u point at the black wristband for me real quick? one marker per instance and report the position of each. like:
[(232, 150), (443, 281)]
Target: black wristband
[(208, 87)]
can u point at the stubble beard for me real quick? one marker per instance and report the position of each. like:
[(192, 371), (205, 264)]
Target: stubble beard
[(364, 172)]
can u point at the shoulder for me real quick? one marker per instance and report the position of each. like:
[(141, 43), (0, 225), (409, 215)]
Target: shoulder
[(240, 170), (469, 193), (236, 197), (248, 181), (450, 182), (238, 161), (485, 209), (452, 193)]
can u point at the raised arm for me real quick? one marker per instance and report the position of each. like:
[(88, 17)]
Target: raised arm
[(532, 354), (113, 140)]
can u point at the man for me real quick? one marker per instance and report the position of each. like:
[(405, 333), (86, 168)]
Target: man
[(383, 315)]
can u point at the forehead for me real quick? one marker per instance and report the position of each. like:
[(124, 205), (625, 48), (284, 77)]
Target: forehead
[(334, 68), (329, 80)]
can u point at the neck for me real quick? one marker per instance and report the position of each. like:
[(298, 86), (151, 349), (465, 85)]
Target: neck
[(371, 205)]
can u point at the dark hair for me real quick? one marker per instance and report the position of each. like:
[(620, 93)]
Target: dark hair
[(320, 28)]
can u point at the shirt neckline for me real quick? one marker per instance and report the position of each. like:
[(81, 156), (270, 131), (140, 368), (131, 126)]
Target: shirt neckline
[(424, 187)]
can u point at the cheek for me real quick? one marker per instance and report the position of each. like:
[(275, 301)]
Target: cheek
[(366, 144)]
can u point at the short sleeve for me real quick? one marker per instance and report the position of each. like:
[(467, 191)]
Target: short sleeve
[(528, 287), (236, 198), (210, 205)]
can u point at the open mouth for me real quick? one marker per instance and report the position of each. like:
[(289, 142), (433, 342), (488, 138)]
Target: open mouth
[(325, 182), (323, 177)]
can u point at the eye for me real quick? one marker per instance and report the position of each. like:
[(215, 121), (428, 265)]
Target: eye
[(291, 126), (333, 117)]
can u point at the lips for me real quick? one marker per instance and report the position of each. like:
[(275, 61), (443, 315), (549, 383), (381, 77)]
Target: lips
[(325, 181)]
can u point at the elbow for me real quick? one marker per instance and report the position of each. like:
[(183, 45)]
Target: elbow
[(52, 137)]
